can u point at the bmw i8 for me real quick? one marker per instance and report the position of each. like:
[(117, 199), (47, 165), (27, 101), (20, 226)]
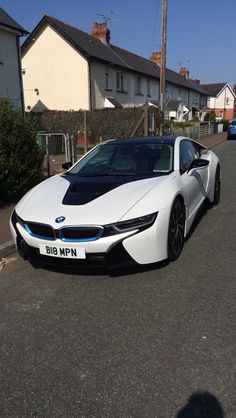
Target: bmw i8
[(131, 200)]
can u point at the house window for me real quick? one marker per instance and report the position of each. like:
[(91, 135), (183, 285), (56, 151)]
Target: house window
[(138, 87), (120, 81), (148, 88), (227, 100), (107, 79)]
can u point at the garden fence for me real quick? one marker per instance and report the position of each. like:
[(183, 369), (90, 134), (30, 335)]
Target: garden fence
[(61, 147)]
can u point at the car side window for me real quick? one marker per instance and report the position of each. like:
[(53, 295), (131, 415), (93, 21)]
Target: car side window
[(188, 153)]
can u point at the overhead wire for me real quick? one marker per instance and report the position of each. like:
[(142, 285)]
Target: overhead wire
[(156, 18)]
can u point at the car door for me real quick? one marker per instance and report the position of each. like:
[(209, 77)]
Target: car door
[(195, 181)]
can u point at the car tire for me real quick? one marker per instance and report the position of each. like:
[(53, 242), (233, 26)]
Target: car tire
[(217, 186), (176, 230)]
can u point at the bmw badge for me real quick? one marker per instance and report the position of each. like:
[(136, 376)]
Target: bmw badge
[(60, 219)]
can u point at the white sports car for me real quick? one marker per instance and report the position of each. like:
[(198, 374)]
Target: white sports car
[(125, 200)]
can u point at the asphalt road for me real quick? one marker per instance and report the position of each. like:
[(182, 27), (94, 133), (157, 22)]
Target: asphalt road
[(133, 345)]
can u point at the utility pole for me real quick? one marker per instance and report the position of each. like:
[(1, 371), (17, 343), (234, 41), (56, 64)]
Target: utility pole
[(163, 58), (85, 133)]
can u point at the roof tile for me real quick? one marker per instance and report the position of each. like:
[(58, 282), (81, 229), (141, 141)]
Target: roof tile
[(6, 20)]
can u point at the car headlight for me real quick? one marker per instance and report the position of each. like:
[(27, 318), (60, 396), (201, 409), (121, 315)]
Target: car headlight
[(140, 223)]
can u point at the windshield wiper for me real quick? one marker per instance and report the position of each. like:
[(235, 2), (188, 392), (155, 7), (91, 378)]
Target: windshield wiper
[(107, 174)]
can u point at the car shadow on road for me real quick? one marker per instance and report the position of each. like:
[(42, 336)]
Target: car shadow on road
[(114, 271), (129, 270), (202, 405)]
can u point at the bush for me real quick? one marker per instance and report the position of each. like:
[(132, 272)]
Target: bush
[(20, 157), (101, 124), (225, 124), (210, 117)]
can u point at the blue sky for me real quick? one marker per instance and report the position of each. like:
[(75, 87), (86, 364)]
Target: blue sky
[(201, 33)]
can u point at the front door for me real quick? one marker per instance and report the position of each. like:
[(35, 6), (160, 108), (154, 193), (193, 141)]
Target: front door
[(196, 180)]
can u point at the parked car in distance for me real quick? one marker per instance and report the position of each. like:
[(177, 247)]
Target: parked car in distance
[(126, 200), (231, 131)]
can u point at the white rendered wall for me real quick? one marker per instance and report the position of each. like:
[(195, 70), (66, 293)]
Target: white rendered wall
[(57, 71), (9, 69), (126, 98)]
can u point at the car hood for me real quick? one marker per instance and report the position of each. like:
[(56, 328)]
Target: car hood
[(84, 200)]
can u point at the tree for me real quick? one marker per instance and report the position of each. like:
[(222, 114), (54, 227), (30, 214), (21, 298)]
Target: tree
[(210, 117), (20, 157)]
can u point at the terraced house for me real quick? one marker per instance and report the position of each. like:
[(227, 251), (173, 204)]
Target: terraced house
[(67, 69), (10, 62)]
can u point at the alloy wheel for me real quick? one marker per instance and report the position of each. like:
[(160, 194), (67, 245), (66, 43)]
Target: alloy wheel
[(176, 230), (217, 186)]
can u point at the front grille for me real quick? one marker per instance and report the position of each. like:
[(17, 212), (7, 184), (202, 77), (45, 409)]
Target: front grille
[(68, 234), (80, 233), (42, 231)]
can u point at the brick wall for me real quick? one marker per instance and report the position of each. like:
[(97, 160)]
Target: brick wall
[(225, 114)]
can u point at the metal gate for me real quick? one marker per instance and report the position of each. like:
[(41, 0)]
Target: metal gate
[(57, 149)]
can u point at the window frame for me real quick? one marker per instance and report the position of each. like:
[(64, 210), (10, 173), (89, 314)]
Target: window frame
[(107, 80), (138, 86), (148, 88), (184, 167), (120, 79)]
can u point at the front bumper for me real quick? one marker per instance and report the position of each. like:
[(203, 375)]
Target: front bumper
[(117, 256), (106, 253), (132, 247)]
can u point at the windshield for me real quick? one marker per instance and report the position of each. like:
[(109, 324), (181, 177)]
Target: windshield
[(120, 159)]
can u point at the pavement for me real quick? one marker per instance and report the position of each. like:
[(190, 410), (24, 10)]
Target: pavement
[(7, 246), (6, 243)]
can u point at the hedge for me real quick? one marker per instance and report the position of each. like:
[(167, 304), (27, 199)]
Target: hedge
[(20, 157)]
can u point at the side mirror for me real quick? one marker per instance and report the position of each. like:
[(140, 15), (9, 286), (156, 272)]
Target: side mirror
[(198, 163), (67, 165)]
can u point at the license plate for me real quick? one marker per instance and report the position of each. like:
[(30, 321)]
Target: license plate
[(63, 252)]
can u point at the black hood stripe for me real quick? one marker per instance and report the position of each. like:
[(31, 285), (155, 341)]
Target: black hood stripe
[(83, 190)]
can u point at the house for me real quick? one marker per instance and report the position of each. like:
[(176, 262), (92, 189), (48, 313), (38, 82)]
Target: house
[(67, 69), (221, 99), (175, 110), (234, 90), (11, 86)]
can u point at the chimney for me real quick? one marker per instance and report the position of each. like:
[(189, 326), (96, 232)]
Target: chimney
[(156, 57), (100, 31), (184, 72), (197, 81)]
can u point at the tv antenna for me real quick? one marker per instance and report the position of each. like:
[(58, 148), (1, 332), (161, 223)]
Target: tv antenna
[(107, 19), (186, 62)]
